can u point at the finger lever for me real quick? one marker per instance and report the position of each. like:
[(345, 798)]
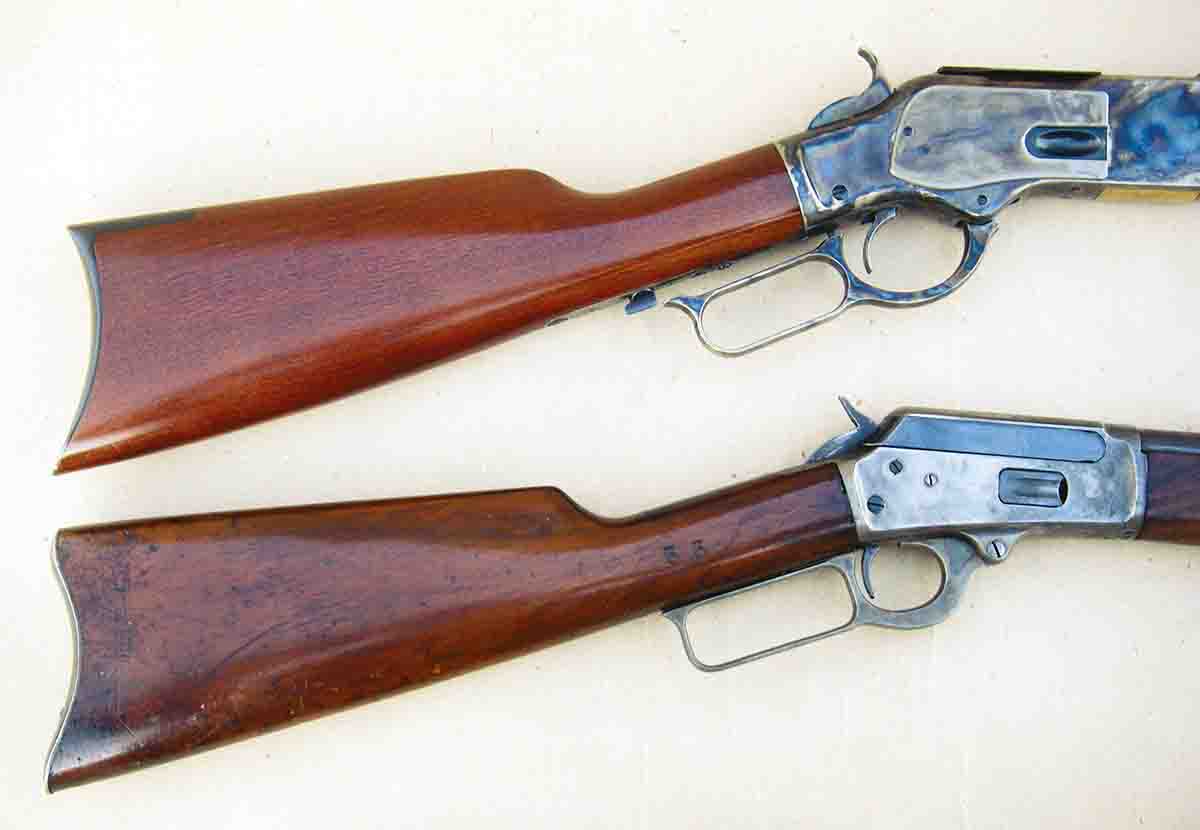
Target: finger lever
[(856, 290), (958, 559)]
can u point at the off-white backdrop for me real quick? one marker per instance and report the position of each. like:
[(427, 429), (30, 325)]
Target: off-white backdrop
[(1063, 694)]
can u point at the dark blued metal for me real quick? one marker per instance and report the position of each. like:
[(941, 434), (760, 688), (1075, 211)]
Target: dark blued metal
[(77, 649), (91, 230), (85, 243), (1033, 488), (987, 437), (1019, 75), (1175, 442), (641, 301)]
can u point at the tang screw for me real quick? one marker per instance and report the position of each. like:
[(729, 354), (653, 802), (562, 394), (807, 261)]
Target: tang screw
[(930, 479), (875, 504), (997, 549), (897, 466)]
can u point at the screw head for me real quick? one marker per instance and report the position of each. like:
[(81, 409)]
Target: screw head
[(930, 479), (997, 548), (875, 504), (897, 466)]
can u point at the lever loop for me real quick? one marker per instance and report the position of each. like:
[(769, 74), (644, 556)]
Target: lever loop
[(856, 292), (958, 560)]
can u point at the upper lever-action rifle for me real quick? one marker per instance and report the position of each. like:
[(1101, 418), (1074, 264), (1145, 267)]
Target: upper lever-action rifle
[(211, 319), (199, 630)]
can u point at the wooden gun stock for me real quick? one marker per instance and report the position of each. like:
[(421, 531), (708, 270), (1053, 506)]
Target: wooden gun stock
[(195, 631), (217, 318), (1172, 487)]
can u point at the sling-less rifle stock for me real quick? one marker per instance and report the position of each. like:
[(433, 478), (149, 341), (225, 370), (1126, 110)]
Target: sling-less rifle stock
[(196, 631), (211, 319)]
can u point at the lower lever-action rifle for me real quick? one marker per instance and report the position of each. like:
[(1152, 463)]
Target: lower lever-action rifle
[(195, 631), (212, 319)]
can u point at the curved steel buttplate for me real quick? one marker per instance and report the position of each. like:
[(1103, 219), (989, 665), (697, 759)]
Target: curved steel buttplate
[(856, 290), (958, 560)]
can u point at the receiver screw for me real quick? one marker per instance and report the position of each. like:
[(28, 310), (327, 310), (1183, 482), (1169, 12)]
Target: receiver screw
[(997, 548), (875, 504), (930, 479), (896, 466)]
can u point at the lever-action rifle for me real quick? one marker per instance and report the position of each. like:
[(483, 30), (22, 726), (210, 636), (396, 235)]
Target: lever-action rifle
[(211, 319), (195, 631)]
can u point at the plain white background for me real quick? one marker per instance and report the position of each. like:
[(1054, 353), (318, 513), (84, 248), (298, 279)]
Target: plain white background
[(1063, 694)]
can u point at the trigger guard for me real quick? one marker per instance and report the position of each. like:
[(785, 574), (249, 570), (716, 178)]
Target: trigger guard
[(898, 618), (975, 239), (958, 561)]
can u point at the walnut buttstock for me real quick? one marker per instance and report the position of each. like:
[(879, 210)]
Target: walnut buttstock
[(217, 318), (196, 631)]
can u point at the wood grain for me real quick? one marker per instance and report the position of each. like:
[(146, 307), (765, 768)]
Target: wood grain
[(201, 630), (1173, 497), (221, 317)]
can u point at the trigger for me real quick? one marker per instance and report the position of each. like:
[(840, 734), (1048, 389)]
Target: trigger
[(880, 219), (867, 555)]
